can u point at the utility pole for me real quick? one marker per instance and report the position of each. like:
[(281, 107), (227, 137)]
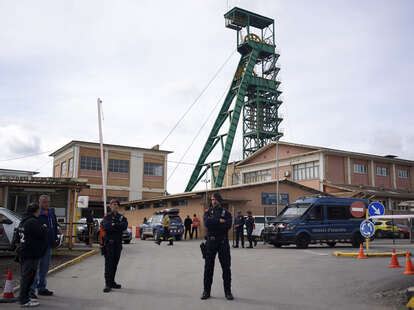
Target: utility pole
[(103, 170)]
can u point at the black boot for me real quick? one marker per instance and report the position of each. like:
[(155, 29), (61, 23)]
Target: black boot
[(205, 295), (229, 295), (107, 289)]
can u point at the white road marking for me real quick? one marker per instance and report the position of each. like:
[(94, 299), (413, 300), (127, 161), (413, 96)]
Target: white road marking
[(316, 253)]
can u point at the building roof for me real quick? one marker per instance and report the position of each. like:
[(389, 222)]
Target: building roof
[(369, 191), (390, 158), (95, 144), (10, 172), (199, 193), (43, 182)]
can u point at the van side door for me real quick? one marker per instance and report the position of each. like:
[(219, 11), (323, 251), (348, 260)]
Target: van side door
[(315, 222), (338, 220)]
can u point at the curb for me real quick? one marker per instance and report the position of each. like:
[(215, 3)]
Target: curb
[(372, 254), (74, 261)]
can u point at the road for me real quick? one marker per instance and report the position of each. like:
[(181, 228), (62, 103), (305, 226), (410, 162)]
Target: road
[(162, 277)]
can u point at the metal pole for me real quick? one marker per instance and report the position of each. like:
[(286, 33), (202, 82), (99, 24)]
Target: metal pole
[(102, 154), (277, 176)]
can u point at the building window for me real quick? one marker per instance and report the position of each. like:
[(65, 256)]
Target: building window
[(403, 174), (151, 169), (179, 203), (359, 168), (71, 167), (382, 171), (90, 163), (118, 165), (63, 169), (257, 176), (306, 171), (235, 179), (270, 198)]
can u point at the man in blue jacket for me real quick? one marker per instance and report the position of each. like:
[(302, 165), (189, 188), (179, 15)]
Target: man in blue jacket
[(47, 217), (113, 224)]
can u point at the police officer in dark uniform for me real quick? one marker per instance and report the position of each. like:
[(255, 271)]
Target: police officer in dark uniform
[(239, 227), (113, 224), (218, 222), (249, 222)]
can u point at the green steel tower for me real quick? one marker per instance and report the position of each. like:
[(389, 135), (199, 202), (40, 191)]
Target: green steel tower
[(253, 93)]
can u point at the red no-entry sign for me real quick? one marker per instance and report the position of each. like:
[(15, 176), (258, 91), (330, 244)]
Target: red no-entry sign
[(358, 209)]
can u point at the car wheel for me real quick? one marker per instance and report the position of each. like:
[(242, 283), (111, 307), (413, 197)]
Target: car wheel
[(379, 234), (331, 244), (178, 238), (156, 235), (127, 241), (357, 240), (143, 237), (277, 245), (402, 235), (302, 241)]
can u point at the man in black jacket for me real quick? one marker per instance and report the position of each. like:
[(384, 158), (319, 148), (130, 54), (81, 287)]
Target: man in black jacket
[(187, 225), (218, 222), (32, 246), (239, 227), (47, 217), (113, 224)]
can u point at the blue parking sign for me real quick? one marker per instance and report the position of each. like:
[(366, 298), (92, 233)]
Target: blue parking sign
[(376, 208), (367, 229)]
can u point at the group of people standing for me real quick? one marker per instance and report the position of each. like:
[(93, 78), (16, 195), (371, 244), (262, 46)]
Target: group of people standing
[(191, 227), (240, 221), (37, 235)]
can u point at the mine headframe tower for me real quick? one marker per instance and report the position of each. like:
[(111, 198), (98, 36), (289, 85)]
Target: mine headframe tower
[(253, 93)]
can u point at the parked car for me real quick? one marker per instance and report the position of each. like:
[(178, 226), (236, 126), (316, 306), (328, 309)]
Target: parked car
[(153, 227), (82, 231), (385, 229), (259, 223), (403, 231), (316, 220), (9, 221)]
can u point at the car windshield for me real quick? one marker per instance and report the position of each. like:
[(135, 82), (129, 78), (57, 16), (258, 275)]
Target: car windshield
[(294, 210), (12, 215), (157, 218)]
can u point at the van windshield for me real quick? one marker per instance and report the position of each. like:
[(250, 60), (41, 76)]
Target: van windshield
[(294, 210)]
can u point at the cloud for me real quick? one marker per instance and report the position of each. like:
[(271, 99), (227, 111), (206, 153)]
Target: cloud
[(17, 141), (346, 74)]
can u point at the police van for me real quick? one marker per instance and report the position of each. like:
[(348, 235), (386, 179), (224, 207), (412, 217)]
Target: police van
[(316, 220)]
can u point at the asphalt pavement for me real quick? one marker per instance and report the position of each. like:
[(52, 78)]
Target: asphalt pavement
[(163, 277)]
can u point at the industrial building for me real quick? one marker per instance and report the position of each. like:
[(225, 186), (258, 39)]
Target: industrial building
[(389, 178), (131, 172)]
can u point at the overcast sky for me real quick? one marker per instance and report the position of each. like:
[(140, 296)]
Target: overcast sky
[(346, 71)]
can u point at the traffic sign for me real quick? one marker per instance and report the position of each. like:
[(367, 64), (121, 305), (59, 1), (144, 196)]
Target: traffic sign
[(357, 209), (367, 229), (376, 208)]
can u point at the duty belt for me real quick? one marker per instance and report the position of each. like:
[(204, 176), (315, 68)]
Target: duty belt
[(216, 238)]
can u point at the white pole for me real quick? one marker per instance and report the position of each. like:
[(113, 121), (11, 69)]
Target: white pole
[(277, 176), (102, 154)]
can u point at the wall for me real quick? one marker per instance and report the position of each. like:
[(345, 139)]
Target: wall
[(401, 182), (335, 169)]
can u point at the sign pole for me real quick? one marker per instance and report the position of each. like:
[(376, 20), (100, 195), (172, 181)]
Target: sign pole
[(367, 239)]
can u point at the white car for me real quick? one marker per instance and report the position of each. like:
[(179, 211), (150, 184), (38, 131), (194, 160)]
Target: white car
[(9, 220), (259, 222)]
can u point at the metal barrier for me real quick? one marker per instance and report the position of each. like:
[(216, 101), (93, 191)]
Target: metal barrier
[(77, 232)]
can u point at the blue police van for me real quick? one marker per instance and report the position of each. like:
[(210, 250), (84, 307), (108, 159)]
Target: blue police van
[(316, 220)]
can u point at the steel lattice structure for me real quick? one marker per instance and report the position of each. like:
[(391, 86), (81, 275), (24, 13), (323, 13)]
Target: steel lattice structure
[(253, 93)]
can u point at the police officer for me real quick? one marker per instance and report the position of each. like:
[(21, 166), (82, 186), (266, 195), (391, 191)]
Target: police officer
[(113, 224), (238, 226), (249, 222), (165, 231), (218, 222)]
